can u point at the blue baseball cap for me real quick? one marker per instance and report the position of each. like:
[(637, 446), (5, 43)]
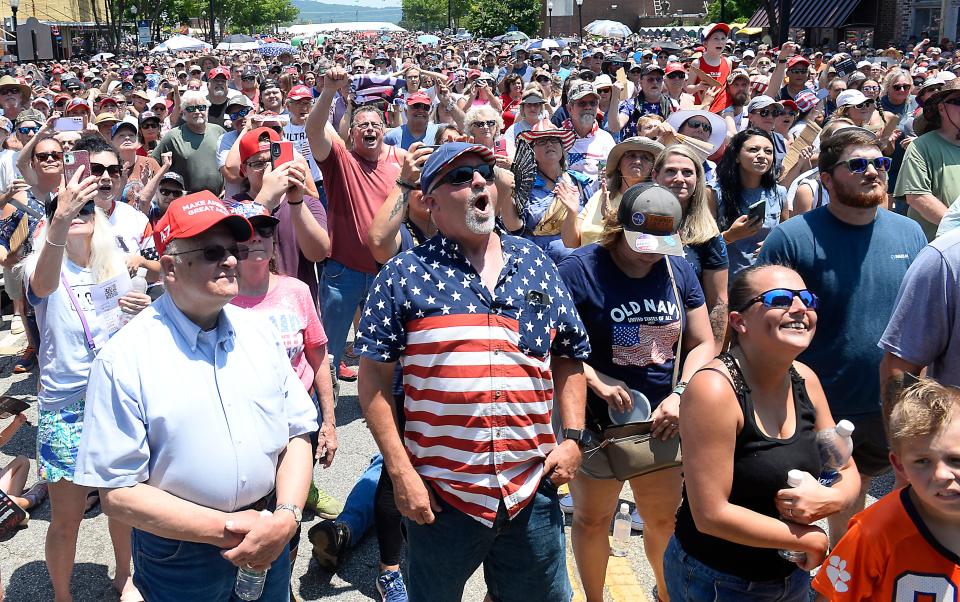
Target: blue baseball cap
[(128, 122), (445, 155)]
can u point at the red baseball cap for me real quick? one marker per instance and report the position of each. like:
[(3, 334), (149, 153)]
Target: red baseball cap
[(77, 103), (299, 93), (796, 60), (674, 68), (194, 214), (252, 144), (790, 104), (106, 100), (417, 98), (218, 71)]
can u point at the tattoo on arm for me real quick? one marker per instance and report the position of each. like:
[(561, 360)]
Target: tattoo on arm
[(718, 321), (401, 204)]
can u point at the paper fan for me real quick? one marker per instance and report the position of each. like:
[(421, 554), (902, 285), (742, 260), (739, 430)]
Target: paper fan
[(524, 173)]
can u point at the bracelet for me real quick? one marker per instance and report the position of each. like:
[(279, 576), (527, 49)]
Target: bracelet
[(297, 203), (53, 244), (404, 184), (680, 388)]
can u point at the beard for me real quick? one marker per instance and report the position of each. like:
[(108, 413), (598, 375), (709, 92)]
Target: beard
[(476, 224), (852, 196), (740, 100), (586, 120)]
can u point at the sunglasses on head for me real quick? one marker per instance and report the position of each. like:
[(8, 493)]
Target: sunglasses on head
[(860, 165), (241, 113), (217, 253), (459, 176), (42, 157), (195, 108), (782, 298), (97, 169), (88, 209)]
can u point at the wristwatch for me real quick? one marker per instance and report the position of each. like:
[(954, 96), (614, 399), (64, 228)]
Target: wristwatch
[(297, 513), (680, 388), (578, 435)]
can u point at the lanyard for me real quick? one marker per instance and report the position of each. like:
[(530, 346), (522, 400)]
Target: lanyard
[(83, 319)]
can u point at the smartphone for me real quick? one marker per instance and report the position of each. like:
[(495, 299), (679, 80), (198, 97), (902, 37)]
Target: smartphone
[(12, 405), (68, 124), (280, 153), (845, 67), (756, 211), (500, 147), (72, 162)]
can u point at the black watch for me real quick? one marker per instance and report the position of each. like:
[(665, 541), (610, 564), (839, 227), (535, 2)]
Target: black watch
[(578, 435)]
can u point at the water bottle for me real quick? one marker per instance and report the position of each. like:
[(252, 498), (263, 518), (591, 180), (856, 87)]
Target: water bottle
[(249, 584), (836, 446), (794, 479), (138, 285), (621, 531)]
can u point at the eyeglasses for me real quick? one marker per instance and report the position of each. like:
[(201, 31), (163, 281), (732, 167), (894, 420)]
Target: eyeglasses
[(10, 90), (369, 124), (545, 142), (264, 230), (782, 298), (171, 192), (700, 125), (256, 165), (464, 174), (195, 108), (870, 89), (217, 253), (901, 87), (29, 129), (97, 169), (485, 124), (43, 157), (768, 112), (241, 113), (248, 78), (860, 164)]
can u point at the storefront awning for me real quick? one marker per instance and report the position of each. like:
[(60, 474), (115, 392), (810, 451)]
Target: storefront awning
[(811, 13), (750, 31)]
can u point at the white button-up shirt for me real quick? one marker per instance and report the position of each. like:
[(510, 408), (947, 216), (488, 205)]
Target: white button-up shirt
[(201, 415)]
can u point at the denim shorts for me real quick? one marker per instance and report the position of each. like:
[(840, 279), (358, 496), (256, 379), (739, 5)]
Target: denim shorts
[(523, 559), (690, 580)]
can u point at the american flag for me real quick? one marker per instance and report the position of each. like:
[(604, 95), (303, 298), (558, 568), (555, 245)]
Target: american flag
[(644, 344)]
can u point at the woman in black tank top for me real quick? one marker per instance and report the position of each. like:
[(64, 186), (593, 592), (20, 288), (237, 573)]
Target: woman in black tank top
[(749, 417)]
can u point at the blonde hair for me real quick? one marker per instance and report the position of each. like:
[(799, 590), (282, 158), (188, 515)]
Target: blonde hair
[(922, 409), (698, 225), (612, 231), (106, 261)]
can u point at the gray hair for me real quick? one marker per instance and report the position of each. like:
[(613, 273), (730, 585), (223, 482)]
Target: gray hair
[(478, 113), (193, 97)]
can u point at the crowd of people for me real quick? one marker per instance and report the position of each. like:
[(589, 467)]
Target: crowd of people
[(613, 260)]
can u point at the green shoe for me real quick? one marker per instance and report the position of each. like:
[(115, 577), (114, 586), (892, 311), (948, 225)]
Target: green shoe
[(323, 504)]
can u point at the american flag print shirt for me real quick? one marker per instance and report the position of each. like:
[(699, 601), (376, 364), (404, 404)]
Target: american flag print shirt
[(478, 390)]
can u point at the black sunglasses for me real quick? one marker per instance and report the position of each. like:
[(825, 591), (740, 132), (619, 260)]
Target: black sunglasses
[(700, 125), (88, 209), (264, 230), (677, 75), (97, 170), (459, 176), (55, 155), (171, 192), (901, 87), (860, 164), (216, 253), (782, 298), (768, 112)]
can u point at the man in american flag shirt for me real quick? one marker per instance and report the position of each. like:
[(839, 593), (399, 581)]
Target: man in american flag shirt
[(487, 337)]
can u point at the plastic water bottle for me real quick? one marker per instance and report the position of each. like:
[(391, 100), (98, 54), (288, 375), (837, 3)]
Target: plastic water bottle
[(249, 584), (621, 531), (794, 479), (138, 285), (836, 446)]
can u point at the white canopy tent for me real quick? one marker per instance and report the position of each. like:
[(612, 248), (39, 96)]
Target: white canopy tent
[(181, 43), (315, 28)]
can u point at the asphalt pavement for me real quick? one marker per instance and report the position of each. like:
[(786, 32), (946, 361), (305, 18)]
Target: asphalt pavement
[(25, 576)]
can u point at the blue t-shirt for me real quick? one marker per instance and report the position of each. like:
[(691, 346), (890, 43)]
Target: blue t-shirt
[(402, 137), (856, 272), (743, 252), (710, 255), (634, 324)]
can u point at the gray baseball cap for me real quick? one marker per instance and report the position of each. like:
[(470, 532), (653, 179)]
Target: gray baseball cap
[(650, 215)]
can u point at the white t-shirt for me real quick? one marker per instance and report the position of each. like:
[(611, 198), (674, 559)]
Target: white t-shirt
[(587, 153), (8, 168), (132, 231), (298, 135)]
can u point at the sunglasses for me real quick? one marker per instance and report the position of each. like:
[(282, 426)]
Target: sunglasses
[(464, 175), (677, 75), (43, 157), (241, 113), (901, 87), (420, 106), (217, 253), (798, 72), (782, 298), (171, 192), (768, 112), (546, 142), (953, 101), (870, 89), (485, 124), (88, 209), (195, 108), (264, 230), (10, 90), (97, 169), (860, 165), (865, 104), (543, 80), (700, 125), (28, 129), (150, 126)]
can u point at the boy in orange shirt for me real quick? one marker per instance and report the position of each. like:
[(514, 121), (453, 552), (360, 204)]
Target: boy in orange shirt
[(906, 546)]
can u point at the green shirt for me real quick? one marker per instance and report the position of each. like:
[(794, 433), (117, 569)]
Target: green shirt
[(931, 165), (194, 157)]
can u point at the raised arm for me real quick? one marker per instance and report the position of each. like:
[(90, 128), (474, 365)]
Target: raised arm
[(317, 133)]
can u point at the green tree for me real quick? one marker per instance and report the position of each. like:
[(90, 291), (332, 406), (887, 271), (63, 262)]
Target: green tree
[(488, 18), (431, 15), (743, 10)]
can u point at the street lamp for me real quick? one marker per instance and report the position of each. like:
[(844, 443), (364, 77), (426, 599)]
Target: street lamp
[(14, 5), (550, 19), (580, 17)]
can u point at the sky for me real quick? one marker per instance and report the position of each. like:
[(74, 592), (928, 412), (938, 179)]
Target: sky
[(369, 3)]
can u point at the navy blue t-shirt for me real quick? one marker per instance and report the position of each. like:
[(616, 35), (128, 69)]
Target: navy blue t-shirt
[(710, 255), (856, 272), (634, 324)]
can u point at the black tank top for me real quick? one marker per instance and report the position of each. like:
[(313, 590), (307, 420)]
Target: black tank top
[(760, 467)]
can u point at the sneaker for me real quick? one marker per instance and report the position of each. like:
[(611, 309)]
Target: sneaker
[(36, 494), (391, 587), (16, 326), (329, 540), (566, 504), (27, 361), (323, 504), (636, 523), (346, 373)]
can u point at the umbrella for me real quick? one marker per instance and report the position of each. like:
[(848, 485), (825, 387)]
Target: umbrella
[(608, 29), (275, 49), (512, 36), (666, 45), (547, 44), (428, 39), (103, 56), (238, 42)]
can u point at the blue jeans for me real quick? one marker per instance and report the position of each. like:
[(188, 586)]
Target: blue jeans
[(358, 509), (342, 290), (690, 580), (523, 559), (167, 570)]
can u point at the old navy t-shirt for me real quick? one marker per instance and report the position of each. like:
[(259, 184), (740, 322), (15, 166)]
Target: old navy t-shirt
[(634, 324)]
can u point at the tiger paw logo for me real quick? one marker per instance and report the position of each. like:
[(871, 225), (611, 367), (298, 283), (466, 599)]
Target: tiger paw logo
[(836, 571)]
